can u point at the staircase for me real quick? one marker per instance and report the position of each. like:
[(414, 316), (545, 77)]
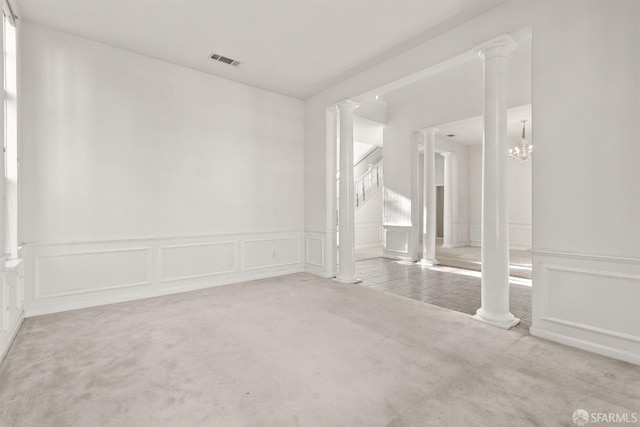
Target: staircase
[(368, 184)]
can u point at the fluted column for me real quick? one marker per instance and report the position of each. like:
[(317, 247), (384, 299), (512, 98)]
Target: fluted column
[(450, 195), (429, 198), (495, 222), (346, 226)]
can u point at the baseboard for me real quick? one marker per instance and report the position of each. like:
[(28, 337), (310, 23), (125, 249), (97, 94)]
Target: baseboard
[(586, 345), (7, 337), (97, 301), (456, 245), (317, 271)]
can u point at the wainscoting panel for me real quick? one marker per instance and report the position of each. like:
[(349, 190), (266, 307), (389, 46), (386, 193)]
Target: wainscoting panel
[(398, 241), (188, 261), (475, 234), (590, 302), (90, 271), (462, 238), (315, 251), (11, 302), (319, 251), (368, 234), (264, 253), (70, 275)]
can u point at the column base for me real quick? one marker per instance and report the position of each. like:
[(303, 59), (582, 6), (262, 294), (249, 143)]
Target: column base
[(349, 281), (451, 246), (507, 323), (427, 262)]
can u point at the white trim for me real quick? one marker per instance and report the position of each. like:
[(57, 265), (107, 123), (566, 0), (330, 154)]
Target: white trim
[(315, 264), (317, 271), (99, 301), (245, 241), (147, 271), (39, 295), (7, 336), (598, 335), (10, 11), (600, 273), (196, 276), (589, 328), (589, 257), (154, 237), (586, 345)]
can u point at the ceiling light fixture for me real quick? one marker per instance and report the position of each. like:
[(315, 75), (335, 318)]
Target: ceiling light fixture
[(524, 151)]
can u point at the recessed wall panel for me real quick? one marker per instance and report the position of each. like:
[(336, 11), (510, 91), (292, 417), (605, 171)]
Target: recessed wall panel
[(271, 252), (70, 273), (315, 251), (396, 240), (197, 260), (608, 301)]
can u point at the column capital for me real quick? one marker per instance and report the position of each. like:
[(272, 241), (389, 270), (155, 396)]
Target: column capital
[(497, 46), (448, 154), (347, 105), (429, 131)]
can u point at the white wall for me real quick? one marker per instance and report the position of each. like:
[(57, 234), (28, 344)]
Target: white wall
[(586, 183), (518, 193), (368, 222), (119, 147)]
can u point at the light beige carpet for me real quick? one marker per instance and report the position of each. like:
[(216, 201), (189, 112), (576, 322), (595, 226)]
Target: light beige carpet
[(296, 351)]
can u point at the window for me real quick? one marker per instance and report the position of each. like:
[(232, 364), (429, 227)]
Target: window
[(10, 190)]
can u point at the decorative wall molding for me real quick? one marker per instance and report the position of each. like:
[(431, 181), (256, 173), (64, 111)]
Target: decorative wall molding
[(398, 242), (271, 252), (8, 335), (588, 257), (462, 237), (607, 320), (368, 234), (226, 260), (11, 301), (65, 276), (317, 253), (63, 279)]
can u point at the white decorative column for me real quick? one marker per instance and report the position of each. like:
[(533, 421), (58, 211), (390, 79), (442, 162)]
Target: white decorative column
[(346, 226), (495, 222), (429, 198), (450, 195), (331, 244)]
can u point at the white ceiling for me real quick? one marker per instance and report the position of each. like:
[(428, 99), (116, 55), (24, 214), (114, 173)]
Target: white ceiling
[(293, 47), (469, 131)]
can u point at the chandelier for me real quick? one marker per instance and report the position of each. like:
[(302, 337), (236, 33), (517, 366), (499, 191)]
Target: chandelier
[(524, 151)]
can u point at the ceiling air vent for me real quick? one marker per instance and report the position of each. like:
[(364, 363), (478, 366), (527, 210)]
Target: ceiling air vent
[(224, 59)]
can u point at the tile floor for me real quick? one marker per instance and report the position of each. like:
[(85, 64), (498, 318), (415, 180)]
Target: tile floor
[(446, 287)]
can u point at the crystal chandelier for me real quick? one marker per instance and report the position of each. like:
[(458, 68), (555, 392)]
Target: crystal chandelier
[(524, 151)]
